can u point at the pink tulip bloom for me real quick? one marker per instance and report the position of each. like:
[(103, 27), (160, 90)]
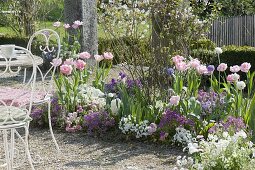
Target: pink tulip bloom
[(194, 63), (98, 58), (66, 69), (202, 69), (57, 24), (245, 67), (76, 24), (108, 56), (222, 67), (79, 64), (84, 55), (231, 78), (174, 100), (181, 66), (56, 62), (66, 26), (177, 59), (69, 61), (234, 69)]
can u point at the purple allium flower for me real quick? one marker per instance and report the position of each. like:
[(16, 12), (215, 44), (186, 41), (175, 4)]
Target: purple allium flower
[(36, 113), (170, 71), (210, 68)]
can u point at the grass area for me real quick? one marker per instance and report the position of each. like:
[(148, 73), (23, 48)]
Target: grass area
[(8, 31)]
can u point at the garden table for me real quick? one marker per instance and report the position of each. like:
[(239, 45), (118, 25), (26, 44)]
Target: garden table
[(20, 60)]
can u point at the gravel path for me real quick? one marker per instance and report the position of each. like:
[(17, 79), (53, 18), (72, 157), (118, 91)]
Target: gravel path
[(79, 151)]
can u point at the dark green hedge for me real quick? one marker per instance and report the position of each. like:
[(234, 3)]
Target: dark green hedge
[(235, 55)]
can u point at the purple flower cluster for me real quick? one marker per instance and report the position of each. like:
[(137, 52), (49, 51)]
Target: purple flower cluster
[(170, 120), (236, 123), (231, 124), (39, 113), (130, 83), (210, 101), (98, 122), (174, 119)]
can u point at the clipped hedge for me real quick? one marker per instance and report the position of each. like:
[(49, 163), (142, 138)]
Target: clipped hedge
[(236, 55)]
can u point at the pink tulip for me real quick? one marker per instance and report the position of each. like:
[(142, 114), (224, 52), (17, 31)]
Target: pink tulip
[(108, 56), (201, 69), (69, 61), (245, 67), (234, 69), (76, 24), (66, 69), (98, 58), (177, 59), (174, 100), (231, 78), (56, 62), (181, 66), (222, 67), (79, 64), (84, 55), (194, 63), (66, 26)]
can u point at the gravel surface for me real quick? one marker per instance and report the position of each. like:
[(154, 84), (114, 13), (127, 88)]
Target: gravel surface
[(81, 152)]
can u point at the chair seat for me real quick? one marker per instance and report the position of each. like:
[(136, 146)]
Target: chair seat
[(10, 115), (19, 97)]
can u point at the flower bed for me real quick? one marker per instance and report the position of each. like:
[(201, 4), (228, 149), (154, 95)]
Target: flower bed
[(217, 119)]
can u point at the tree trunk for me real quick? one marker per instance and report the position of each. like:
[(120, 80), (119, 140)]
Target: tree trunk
[(28, 16), (86, 11)]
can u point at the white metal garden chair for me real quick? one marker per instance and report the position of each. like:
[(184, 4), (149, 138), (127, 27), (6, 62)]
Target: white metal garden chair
[(50, 49), (15, 110)]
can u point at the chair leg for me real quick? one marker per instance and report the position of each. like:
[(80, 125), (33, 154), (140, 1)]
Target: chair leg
[(27, 146), (12, 146), (50, 126), (6, 150)]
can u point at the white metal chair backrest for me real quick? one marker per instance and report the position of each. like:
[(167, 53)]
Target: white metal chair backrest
[(49, 47), (16, 102)]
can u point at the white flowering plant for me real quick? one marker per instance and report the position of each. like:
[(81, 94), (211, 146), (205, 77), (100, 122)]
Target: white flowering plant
[(127, 125)]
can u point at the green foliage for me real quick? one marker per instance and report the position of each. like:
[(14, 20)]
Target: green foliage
[(204, 43), (237, 7), (206, 56), (235, 55)]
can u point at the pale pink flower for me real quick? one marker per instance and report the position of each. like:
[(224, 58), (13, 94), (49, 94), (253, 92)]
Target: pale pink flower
[(181, 66), (84, 55), (66, 69), (69, 61), (222, 67), (108, 56), (76, 24), (245, 67), (234, 69), (152, 128), (79, 64), (177, 59), (57, 24), (56, 62), (98, 58), (202, 69), (66, 26), (174, 100), (194, 63), (233, 78)]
